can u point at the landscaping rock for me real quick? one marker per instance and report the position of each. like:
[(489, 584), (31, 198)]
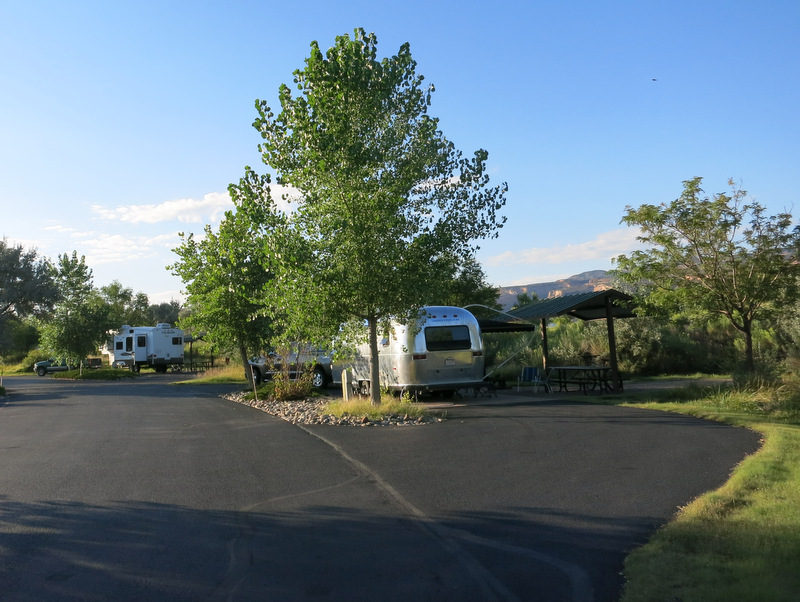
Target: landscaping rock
[(309, 411)]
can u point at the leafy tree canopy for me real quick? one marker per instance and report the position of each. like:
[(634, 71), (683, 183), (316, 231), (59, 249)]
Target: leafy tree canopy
[(26, 282), (81, 319), (224, 277), (125, 306), (720, 255), (384, 195)]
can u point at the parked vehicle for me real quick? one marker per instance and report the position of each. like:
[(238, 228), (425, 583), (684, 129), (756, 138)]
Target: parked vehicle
[(441, 350), (52, 365), (93, 362), (301, 358), (159, 346)]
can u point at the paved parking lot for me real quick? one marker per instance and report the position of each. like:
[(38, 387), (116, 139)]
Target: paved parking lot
[(144, 490)]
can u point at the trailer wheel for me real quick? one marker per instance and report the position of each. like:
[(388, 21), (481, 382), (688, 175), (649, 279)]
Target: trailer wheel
[(135, 368), (318, 380)]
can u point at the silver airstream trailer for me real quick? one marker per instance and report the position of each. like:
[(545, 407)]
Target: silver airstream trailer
[(441, 350)]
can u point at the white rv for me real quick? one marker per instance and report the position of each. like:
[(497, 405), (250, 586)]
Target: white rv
[(441, 350), (158, 346)]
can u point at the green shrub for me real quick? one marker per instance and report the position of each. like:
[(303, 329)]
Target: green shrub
[(282, 388), (96, 374), (36, 355)]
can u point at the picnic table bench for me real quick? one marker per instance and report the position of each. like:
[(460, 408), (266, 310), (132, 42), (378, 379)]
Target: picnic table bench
[(588, 378)]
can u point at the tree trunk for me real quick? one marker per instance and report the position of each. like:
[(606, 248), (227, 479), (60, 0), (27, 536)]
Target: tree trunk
[(749, 360), (248, 372), (374, 368)]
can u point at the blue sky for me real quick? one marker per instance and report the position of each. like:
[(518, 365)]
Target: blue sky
[(122, 123)]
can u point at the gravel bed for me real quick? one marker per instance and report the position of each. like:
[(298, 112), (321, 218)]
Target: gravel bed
[(309, 411)]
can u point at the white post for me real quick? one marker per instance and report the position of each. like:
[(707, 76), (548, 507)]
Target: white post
[(346, 385)]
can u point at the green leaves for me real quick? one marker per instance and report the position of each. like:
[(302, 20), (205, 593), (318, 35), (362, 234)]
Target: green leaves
[(82, 317), (718, 255)]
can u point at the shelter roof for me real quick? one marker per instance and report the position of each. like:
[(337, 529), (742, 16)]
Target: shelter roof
[(584, 306)]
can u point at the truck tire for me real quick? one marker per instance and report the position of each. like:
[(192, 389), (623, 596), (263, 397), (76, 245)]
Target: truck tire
[(257, 375), (41, 370), (318, 379)]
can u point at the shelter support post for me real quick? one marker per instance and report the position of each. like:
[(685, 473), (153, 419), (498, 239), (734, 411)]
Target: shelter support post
[(616, 381), (544, 343)]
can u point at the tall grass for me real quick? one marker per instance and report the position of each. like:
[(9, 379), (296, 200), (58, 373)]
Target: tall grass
[(391, 405), (232, 373)]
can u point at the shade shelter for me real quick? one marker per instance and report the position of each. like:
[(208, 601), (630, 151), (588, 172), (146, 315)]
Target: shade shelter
[(596, 305)]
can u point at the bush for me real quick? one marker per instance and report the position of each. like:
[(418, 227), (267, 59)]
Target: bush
[(36, 355), (282, 388), (96, 374)]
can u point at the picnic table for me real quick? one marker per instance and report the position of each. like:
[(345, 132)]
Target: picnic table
[(588, 378)]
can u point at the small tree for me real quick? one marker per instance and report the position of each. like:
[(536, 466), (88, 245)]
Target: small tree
[(720, 255), (383, 193), (81, 320), (224, 279)]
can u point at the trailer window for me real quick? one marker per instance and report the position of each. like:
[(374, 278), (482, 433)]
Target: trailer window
[(447, 338), (177, 341), (141, 341), (128, 343), (118, 346)]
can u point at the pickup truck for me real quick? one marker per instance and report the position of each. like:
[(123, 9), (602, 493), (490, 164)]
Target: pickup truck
[(52, 365), (62, 365), (316, 360)]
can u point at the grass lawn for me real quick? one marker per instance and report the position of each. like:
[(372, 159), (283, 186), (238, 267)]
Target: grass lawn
[(741, 542), (226, 373)]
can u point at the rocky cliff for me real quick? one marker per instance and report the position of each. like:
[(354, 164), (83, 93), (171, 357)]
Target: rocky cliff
[(586, 282)]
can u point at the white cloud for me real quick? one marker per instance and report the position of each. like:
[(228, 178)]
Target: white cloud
[(117, 248), (208, 209), (59, 228), (166, 297), (603, 247), (525, 280)]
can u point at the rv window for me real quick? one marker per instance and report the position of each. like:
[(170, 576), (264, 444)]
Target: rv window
[(447, 338), (118, 346), (177, 341), (128, 343), (141, 341)]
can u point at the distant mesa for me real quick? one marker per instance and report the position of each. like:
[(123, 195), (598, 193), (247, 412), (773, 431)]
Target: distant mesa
[(585, 282)]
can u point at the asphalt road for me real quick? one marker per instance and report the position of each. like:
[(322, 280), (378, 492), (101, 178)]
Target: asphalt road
[(147, 491)]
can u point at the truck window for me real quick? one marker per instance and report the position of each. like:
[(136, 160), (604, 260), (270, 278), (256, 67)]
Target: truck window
[(141, 341), (447, 338)]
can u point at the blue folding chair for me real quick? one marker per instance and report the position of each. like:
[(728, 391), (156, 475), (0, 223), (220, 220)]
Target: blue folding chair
[(532, 375)]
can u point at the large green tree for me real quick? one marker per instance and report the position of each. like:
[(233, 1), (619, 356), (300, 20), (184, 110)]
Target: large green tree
[(718, 255), (383, 194), (26, 285), (166, 312), (463, 283), (224, 280), (125, 306), (80, 322)]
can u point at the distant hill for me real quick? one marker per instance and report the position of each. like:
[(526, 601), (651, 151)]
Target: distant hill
[(586, 282)]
